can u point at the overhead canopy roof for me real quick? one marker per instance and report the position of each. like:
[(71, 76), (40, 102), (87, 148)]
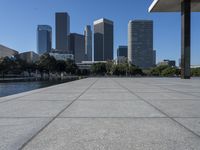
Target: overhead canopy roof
[(172, 6)]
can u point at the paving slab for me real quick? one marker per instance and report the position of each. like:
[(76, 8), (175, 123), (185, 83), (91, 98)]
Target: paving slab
[(191, 123), (111, 109), (104, 114), (196, 94), (148, 89), (181, 87), (19, 95), (51, 97), (109, 95), (178, 108), (106, 90), (14, 132), (167, 96), (64, 90), (32, 108), (114, 134)]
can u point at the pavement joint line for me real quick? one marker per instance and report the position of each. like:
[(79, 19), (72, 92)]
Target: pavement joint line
[(104, 88), (95, 100), (50, 117), (36, 100), (26, 117), (80, 117), (112, 117), (46, 125), (163, 92), (99, 92), (131, 117), (173, 99), (197, 135)]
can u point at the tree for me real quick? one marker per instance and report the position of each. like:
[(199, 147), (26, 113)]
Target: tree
[(30, 67), (21, 65), (169, 72), (158, 70), (195, 72), (120, 69), (109, 66), (47, 64), (133, 70), (71, 67), (99, 68), (60, 66), (6, 64)]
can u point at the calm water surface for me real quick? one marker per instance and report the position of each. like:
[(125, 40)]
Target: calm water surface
[(10, 88)]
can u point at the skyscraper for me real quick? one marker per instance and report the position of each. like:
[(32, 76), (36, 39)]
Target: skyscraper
[(122, 51), (77, 46), (88, 43), (122, 54), (154, 57), (62, 31), (103, 40), (44, 39), (140, 43)]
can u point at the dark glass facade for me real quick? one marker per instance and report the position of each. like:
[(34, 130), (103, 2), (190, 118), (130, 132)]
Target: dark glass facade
[(77, 46), (62, 31), (88, 42), (103, 40), (122, 51), (44, 39), (154, 57)]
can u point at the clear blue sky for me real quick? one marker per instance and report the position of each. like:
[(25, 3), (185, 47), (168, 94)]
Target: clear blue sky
[(19, 19)]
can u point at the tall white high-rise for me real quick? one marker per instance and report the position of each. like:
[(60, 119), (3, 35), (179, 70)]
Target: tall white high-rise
[(140, 43), (88, 43)]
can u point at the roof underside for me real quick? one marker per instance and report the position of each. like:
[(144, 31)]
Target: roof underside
[(172, 6)]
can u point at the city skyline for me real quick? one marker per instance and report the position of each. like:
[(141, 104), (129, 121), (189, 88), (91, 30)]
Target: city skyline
[(166, 28)]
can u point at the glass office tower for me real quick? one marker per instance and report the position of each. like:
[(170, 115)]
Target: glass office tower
[(88, 42), (122, 51), (77, 46), (103, 40), (44, 39), (62, 31)]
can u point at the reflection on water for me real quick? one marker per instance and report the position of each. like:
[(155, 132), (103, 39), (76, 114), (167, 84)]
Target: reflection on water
[(10, 88)]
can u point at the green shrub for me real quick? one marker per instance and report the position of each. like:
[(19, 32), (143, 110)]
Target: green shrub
[(195, 72), (99, 68), (169, 72)]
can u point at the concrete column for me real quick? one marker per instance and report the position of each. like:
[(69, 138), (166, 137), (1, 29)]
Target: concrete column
[(185, 38)]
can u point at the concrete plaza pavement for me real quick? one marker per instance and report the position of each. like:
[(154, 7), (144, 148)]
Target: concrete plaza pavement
[(104, 114)]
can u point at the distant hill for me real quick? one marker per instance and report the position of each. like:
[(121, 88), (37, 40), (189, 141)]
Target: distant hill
[(5, 51)]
